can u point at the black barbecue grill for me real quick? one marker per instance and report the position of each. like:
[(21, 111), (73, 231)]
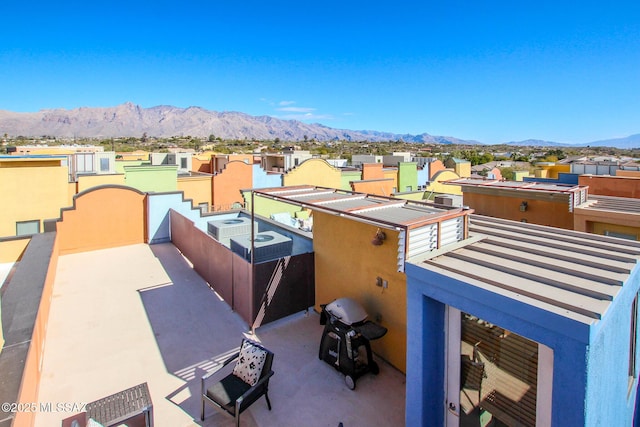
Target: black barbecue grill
[(345, 339)]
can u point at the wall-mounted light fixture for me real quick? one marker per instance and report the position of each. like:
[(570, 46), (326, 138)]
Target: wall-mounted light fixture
[(382, 283), (523, 206), (379, 238)]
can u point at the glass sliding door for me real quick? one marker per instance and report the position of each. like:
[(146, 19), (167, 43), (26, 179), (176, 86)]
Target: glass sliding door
[(498, 376)]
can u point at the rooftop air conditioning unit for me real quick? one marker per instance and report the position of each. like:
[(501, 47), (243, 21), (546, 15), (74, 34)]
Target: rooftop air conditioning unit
[(268, 245), (443, 200), (224, 229)]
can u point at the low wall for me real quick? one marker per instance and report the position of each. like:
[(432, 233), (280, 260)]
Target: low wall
[(210, 259), (25, 312), (102, 217), (259, 293)]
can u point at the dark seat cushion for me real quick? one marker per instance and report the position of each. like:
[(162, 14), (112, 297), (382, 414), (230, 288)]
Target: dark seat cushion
[(226, 392)]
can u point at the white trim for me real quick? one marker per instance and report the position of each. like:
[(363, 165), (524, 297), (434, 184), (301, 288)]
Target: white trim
[(453, 336), (545, 386)]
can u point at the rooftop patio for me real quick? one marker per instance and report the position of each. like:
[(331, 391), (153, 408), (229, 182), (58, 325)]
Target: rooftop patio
[(139, 313)]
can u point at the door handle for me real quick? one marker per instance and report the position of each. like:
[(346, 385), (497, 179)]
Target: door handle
[(453, 409)]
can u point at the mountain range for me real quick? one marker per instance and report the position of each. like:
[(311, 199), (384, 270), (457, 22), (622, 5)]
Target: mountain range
[(164, 121)]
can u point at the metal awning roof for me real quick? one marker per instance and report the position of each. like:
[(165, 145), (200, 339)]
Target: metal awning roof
[(613, 204), (515, 185), (385, 210), (574, 274)]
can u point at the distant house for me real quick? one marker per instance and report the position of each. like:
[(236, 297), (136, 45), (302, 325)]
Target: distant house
[(285, 161), (461, 166)]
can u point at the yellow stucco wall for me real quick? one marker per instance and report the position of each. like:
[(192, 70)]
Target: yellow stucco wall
[(463, 169), (347, 265), (31, 191), (437, 185), (551, 171), (133, 155), (72, 188), (196, 188), (44, 151), (520, 175), (11, 250), (416, 195), (88, 181), (313, 172), (391, 174)]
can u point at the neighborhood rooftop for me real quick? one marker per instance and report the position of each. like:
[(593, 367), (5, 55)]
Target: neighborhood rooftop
[(516, 185), (390, 211)]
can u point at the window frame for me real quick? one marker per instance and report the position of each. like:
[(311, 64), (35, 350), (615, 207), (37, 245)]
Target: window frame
[(633, 343), (31, 221)]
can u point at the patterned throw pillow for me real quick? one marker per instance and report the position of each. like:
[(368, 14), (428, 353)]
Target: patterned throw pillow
[(92, 423), (250, 363)]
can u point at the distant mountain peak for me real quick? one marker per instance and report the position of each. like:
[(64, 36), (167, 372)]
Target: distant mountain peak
[(131, 120)]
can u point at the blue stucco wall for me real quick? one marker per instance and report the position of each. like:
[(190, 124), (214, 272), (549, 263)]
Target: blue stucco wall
[(261, 179), (428, 293), (423, 175), (563, 178), (158, 205), (611, 400), (425, 360)]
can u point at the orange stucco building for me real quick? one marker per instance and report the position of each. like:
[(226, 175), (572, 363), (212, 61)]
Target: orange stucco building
[(532, 202), (226, 185), (374, 181), (605, 185)]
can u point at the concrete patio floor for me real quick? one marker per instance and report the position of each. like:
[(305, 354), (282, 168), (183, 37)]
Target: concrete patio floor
[(140, 313)]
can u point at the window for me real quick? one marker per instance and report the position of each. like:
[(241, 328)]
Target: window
[(27, 228), (84, 162), (620, 235), (104, 165), (183, 163)]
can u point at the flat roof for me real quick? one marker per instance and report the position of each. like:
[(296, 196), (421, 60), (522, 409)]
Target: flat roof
[(147, 316), (516, 185), (573, 274), (612, 204), (33, 157), (388, 210)]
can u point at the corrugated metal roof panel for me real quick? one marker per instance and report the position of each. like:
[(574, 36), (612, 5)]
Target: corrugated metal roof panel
[(516, 185), (349, 204), (399, 215), (570, 273), (608, 203)]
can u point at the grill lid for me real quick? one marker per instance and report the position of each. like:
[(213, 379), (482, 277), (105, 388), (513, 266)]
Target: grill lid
[(347, 310)]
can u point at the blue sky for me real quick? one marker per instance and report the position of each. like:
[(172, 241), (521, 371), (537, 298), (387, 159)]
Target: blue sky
[(494, 71)]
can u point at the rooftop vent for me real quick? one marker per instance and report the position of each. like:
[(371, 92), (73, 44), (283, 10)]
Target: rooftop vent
[(268, 245), (223, 229)]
